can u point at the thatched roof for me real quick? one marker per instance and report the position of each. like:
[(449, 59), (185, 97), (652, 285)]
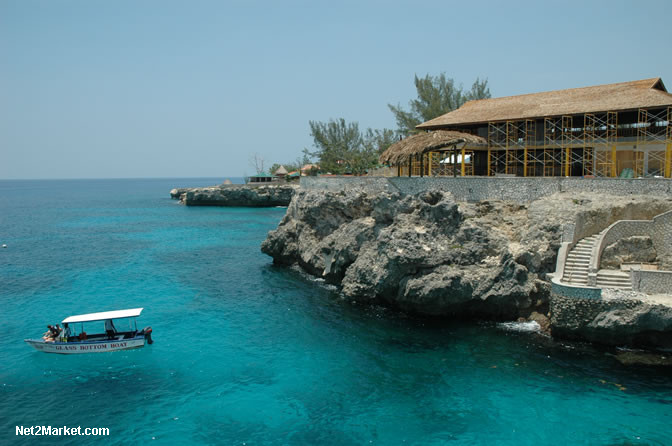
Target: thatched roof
[(401, 151), (647, 93), (281, 170)]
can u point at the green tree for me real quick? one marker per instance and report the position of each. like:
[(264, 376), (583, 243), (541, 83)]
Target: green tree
[(343, 148), (437, 95)]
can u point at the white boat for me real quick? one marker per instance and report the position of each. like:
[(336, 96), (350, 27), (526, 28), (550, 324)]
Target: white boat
[(109, 339)]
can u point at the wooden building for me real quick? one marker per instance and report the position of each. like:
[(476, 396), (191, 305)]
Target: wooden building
[(612, 130)]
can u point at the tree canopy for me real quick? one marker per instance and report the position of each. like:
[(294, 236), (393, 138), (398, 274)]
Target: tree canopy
[(437, 95), (343, 148)]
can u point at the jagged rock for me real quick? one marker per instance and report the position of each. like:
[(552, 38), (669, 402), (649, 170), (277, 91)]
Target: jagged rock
[(644, 358), (543, 321), (177, 193), (236, 195), (428, 254), (422, 253), (635, 249)]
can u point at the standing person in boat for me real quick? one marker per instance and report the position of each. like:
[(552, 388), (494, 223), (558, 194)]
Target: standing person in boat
[(65, 333), (109, 328)]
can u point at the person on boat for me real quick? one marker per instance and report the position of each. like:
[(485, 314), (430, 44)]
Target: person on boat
[(109, 328), (65, 333), (47, 334), (53, 333)]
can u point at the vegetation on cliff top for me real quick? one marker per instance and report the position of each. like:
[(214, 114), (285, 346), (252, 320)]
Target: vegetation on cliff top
[(343, 148)]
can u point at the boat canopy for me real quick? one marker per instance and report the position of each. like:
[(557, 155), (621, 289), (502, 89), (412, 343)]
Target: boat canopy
[(118, 314)]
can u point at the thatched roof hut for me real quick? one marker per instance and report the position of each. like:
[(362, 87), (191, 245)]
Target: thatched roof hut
[(633, 95), (440, 140)]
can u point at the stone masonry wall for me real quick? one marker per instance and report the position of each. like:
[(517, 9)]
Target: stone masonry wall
[(576, 291), (652, 282), (661, 233), (569, 314), (517, 189)]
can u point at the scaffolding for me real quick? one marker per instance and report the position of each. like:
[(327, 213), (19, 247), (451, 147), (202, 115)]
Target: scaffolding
[(599, 137), (570, 141), (590, 144), (514, 130), (497, 147), (654, 129), (552, 147)]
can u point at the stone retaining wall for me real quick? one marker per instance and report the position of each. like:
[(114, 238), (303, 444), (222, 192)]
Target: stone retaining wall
[(575, 292), (661, 233), (374, 184), (522, 190), (659, 229), (570, 315), (652, 282)]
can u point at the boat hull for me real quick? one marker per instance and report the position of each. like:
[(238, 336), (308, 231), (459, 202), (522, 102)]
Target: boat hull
[(76, 348)]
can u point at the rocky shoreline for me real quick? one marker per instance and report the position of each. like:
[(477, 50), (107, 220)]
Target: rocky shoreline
[(430, 255), (236, 195)]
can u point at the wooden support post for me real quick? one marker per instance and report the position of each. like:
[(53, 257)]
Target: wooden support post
[(525, 161), (410, 166), (422, 165), (489, 155), (568, 158), (614, 172), (463, 166), (454, 161), (668, 160), (398, 170)]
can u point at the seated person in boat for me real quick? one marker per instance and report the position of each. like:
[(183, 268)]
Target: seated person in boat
[(47, 334), (53, 333)]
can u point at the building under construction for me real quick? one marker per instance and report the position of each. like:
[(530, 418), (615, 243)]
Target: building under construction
[(615, 130)]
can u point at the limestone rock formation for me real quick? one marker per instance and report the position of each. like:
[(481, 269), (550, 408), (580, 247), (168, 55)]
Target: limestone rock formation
[(428, 254), (616, 319), (236, 195), (424, 253), (635, 249)]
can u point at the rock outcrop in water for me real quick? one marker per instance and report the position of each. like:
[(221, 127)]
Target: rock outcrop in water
[(430, 255), (236, 195)]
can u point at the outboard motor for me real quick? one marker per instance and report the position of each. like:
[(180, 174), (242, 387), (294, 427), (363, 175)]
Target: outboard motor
[(147, 331)]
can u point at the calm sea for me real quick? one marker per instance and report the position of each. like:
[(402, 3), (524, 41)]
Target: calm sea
[(246, 353)]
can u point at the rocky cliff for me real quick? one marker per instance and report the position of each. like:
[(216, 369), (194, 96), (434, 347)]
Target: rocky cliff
[(428, 254), (236, 195)]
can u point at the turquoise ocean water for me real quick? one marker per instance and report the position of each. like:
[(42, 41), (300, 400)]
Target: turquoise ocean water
[(248, 353)]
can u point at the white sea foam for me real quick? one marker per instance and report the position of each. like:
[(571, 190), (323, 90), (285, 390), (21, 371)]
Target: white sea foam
[(528, 327)]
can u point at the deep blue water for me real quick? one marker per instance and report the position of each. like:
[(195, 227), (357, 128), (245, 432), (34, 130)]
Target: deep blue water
[(248, 353)]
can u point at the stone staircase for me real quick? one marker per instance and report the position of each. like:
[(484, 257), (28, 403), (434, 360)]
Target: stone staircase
[(577, 267), (578, 262), (607, 278)]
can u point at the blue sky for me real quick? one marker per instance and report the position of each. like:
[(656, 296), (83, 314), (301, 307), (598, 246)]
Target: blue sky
[(117, 89)]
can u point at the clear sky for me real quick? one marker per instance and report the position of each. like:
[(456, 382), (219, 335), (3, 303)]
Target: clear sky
[(165, 88)]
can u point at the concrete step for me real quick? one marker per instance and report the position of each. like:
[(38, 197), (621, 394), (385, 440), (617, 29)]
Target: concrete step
[(574, 269), (613, 274), (607, 280), (575, 256), (576, 282), (583, 246)]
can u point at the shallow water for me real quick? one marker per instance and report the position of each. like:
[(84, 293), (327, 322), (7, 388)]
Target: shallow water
[(249, 353)]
